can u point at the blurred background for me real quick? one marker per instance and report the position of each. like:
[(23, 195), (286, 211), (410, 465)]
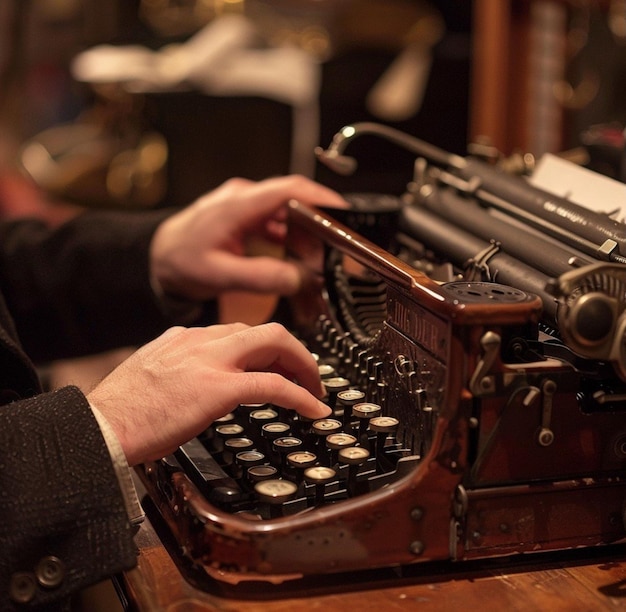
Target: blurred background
[(141, 103)]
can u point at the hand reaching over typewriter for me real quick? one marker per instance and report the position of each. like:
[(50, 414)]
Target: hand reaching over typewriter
[(107, 279), (200, 251), (190, 377)]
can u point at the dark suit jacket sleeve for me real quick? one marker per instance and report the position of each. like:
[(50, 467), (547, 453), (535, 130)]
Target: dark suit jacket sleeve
[(76, 290), (63, 523), (84, 287)]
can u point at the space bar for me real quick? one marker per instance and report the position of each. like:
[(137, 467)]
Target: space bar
[(217, 486)]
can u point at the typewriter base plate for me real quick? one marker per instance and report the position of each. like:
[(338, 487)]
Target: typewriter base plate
[(590, 579)]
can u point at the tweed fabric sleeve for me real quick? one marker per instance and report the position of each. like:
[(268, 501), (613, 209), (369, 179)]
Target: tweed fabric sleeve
[(60, 501)]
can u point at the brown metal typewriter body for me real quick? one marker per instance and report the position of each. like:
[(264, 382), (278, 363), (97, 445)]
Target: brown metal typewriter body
[(478, 431)]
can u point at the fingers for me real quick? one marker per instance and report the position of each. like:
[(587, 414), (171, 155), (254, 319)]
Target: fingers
[(272, 347), (174, 387), (257, 274), (266, 197), (275, 389)]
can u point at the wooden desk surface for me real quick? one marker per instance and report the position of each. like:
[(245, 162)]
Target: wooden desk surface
[(567, 582)]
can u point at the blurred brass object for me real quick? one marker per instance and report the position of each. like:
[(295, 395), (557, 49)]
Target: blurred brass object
[(85, 164), (183, 17), (320, 27), (137, 175), (106, 158), (580, 84)]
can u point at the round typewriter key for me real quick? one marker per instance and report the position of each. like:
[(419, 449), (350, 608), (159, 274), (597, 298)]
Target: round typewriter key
[(366, 410), (275, 429), (349, 397), (232, 446), (275, 490), (265, 415), (211, 434), (257, 473), (346, 399), (286, 443), (238, 444), (229, 430), (301, 459), (246, 409), (326, 370), (227, 418), (384, 424), (353, 455), (336, 384), (319, 476), (333, 386), (249, 458), (324, 427), (337, 441)]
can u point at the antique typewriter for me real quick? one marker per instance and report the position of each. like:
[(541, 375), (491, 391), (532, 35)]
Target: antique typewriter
[(471, 335)]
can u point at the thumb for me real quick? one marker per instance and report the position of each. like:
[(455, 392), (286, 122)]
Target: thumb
[(264, 274)]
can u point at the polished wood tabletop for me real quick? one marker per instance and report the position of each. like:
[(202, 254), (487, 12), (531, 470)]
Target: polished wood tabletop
[(583, 580)]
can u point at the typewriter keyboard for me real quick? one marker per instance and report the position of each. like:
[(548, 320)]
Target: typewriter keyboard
[(266, 461)]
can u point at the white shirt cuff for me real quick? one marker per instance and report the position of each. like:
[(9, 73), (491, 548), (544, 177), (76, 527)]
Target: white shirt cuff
[(122, 470)]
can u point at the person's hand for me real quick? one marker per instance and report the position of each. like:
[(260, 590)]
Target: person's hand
[(174, 387), (199, 252)]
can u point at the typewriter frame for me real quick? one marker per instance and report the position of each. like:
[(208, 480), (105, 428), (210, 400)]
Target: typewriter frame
[(444, 508)]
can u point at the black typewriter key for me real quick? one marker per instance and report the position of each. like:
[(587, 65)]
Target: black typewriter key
[(333, 386), (250, 458), (223, 432), (247, 459), (244, 410), (365, 411), (345, 400), (319, 476), (270, 432), (275, 492), (210, 437), (275, 429), (257, 419), (262, 416), (207, 474), (354, 457), (384, 424), (232, 446), (301, 426), (326, 370), (257, 473), (336, 441), (384, 427), (227, 418), (322, 428), (299, 461), (285, 445), (374, 376), (229, 430), (341, 345)]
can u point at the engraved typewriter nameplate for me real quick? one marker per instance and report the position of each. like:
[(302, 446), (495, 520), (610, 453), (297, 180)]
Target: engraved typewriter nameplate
[(418, 324)]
